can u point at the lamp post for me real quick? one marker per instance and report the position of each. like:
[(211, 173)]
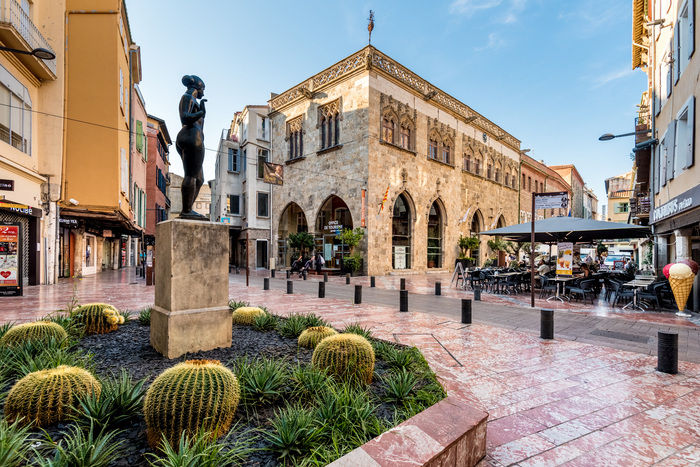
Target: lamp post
[(609, 136), (43, 54)]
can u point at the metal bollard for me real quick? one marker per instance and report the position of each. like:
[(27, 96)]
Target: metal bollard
[(403, 300), (668, 353), (266, 283), (325, 277), (547, 324), (289, 274), (272, 273), (466, 311), (371, 282), (438, 288), (347, 279), (321, 290), (477, 293), (358, 294), (304, 275), (403, 284), (290, 287)]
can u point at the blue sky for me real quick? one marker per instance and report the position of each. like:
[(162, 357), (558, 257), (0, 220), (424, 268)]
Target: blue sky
[(556, 74)]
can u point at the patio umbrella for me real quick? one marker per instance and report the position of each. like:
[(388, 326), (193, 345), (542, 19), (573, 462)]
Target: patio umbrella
[(570, 229)]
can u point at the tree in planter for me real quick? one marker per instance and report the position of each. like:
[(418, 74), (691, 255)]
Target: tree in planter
[(527, 248), (351, 238), (301, 241), (466, 245), (600, 249), (496, 245)]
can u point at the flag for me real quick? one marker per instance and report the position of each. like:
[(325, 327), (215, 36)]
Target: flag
[(569, 212), (386, 196)]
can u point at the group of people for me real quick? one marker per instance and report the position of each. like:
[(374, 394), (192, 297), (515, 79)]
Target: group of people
[(315, 262)]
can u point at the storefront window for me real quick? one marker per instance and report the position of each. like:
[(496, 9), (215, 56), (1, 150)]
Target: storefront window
[(435, 237), (401, 235), (332, 219), (293, 220)]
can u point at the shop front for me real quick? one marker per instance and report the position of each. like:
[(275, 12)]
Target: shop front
[(333, 217), (66, 245), (29, 218)]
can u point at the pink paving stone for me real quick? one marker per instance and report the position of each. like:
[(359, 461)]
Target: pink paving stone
[(440, 420), (403, 446), (690, 454), (557, 456), (673, 461), (509, 429), (550, 415), (520, 449), (641, 449), (592, 441), (606, 456), (565, 432)]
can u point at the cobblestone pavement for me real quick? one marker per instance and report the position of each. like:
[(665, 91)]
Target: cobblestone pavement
[(560, 402)]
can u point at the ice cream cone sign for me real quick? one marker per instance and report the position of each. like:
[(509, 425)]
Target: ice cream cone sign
[(681, 278)]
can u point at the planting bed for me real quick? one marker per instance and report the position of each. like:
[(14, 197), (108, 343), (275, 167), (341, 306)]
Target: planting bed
[(128, 348)]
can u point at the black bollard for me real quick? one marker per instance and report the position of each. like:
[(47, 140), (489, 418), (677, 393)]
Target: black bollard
[(477, 293), (668, 353), (358, 294), (403, 284), (466, 311), (272, 273), (347, 279), (438, 288), (288, 274), (403, 300), (547, 324), (290, 287), (266, 283), (371, 282), (321, 290), (304, 274), (237, 272), (325, 277)]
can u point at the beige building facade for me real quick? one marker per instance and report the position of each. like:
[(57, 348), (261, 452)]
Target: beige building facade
[(367, 127)]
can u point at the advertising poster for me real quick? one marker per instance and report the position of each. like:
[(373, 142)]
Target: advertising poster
[(399, 257), (565, 258), (273, 173), (9, 260)]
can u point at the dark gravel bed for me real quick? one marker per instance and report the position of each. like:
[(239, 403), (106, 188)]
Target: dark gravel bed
[(129, 347)]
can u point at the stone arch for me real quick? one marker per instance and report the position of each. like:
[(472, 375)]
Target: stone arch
[(435, 135), (476, 220), (333, 215), (436, 218), (403, 220), (290, 222)]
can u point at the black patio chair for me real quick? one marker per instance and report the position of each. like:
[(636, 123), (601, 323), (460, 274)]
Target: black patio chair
[(622, 292), (651, 293), (584, 287), (546, 287)]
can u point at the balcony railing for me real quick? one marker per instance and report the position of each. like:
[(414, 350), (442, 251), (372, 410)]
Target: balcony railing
[(12, 13), (640, 205), (167, 201)]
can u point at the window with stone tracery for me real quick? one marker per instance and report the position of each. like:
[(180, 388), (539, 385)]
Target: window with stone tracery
[(295, 139), (477, 166), (488, 170), (433, 149), (406, 136), (446, 154), (468, 162), (329, 117), (506, 179), (497, 174), (388, 126)]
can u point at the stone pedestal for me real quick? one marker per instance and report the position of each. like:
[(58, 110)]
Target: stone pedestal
[(191, 309)]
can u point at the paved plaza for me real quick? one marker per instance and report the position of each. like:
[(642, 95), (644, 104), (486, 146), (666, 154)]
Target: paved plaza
[(561, 402)]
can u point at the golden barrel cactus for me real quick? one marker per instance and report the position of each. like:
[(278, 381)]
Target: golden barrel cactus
[(345, 355), (190, 396), (47, 396), (97, 318), (37, 331), (315, 334), (246, 315)]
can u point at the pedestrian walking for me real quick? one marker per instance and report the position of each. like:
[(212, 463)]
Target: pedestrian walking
[(319, 263)]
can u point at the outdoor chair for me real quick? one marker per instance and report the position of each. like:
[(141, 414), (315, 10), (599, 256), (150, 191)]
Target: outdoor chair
[(651, 293), (546, 287), (583, 288), (511, 284), (622, 292), (475, 278)]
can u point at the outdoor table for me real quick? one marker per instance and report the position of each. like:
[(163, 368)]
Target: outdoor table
[(563, 281), (637, 284)]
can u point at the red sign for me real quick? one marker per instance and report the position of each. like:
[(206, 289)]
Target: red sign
[(9, 256), (363, 207)]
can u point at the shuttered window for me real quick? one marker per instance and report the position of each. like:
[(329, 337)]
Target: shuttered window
[(139, 136), (124, 172)]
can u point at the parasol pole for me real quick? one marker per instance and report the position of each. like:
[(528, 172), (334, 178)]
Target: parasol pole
[(532, 254)]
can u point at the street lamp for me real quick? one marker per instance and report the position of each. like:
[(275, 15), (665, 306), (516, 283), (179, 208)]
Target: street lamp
[(43, 54), (609, 136)]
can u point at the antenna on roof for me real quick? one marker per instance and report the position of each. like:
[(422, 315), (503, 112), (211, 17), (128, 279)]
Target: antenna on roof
[(370, 26)]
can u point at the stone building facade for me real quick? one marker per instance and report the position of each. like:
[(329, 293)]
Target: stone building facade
[(574, 179), (536, 177), (368, 127)]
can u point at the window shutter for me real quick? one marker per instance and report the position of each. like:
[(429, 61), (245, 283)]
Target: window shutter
[(657, 167), (124, 172), (656, 102), (669, 79), (691, 28), (139, 135), (260, 128), (143, 211), (690, 150), (671, 153), (145, 145), (677, 53)]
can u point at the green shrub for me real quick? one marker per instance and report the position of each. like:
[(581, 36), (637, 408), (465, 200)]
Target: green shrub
[(399, 358), (263, 380), (346, 356), (245, 315), (145, 316), (399, 385), (295, 433), (356, 328), (82, 449), (97, 318), (15, 443), (308, 381), (265, 322), (37, 331), (310, 337), (27, 359), (348, 413), (296, 323), (126, 316), (200, 451), (203, 393), (48, 396), (234, 305)]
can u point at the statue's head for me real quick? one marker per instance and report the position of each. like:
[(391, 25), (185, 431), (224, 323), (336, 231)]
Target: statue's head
[(194, 82)]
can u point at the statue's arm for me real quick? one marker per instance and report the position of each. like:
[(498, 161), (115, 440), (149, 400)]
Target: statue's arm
[(186, 116)]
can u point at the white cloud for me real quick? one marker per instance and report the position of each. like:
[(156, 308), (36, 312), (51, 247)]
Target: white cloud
[(612, 76), (508, 11), (469, 7), (495, 42)]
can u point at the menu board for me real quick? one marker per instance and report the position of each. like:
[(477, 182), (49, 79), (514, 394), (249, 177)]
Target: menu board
[(9, 260), (565, 258)]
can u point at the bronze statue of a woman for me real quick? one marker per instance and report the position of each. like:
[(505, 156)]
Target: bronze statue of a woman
[(190, 143)]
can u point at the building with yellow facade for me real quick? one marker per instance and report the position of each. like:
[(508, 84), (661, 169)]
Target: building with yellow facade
[(31, 136)]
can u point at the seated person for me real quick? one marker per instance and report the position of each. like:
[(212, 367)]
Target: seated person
[(542, 268), (297, 264), (586, 270)]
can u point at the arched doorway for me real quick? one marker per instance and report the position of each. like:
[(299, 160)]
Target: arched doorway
[(293, 220), (435, 236), (401, 227), (474, 229), (333, 217)]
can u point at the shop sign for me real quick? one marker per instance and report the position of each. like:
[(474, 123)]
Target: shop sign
[(334, 226), (226, 220), (7, 185), (557, 200), (273, 173), (565, 258), (680, 203), (363, 222), (69, 223), (107, 233), (399, 257), (149, 258), (21, 209), (10, 260), (94, 231)]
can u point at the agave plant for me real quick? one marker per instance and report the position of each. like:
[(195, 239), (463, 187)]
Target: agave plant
[(15, 443), (81, 449)]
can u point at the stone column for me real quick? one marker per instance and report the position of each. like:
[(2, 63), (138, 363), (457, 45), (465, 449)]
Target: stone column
[(79, 252), (99, 254), (116, 253), (683, 243), (191, 310)]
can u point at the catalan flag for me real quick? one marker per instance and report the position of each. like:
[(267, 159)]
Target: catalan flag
[(386, 196)]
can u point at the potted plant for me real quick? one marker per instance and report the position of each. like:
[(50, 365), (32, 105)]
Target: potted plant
[(496, 245), (488, 263), (352, 262), (466, 245), (301, 241)]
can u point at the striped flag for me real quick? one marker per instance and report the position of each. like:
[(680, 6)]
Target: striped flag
[(386, 196)]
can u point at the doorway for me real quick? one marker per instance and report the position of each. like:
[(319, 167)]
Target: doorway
[(333, 217), (90, 254), (261, 254)]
